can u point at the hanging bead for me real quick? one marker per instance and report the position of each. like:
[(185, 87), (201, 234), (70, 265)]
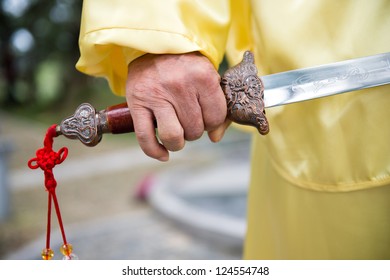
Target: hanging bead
[(66, 249), (47, 254), (70, 257)]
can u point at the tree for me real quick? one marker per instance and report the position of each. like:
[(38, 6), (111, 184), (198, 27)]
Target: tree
[(38, 43)]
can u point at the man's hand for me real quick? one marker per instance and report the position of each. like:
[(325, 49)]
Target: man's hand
[(179, 92)]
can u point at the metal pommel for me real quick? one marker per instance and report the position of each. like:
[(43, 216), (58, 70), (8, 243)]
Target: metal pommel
[(84, 125)]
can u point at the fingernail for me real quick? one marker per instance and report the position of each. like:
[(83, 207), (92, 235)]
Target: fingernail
[(216, 136)]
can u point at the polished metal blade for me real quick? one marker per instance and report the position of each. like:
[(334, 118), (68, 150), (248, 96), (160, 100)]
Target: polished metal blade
[(325, 80)]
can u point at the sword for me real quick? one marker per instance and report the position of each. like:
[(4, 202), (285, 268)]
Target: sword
[(247, 95)]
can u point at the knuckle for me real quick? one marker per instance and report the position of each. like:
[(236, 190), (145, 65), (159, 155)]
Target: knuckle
[(194, 133), (144, 142), (142, 137), (173, 139), (214, 122), (149, 145)]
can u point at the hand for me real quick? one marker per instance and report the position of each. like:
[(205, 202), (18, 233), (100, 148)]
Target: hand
[(182, 94)]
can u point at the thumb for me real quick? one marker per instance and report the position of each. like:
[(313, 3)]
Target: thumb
[(217, 134)]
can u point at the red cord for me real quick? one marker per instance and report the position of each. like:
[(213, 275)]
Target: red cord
[(46, 159), (48, 221)]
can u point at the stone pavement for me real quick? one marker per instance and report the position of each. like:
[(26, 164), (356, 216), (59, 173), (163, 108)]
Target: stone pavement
[(138, 235), (110, 223)]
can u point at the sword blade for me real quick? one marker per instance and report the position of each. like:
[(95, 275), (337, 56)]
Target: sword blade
[(325, 80)]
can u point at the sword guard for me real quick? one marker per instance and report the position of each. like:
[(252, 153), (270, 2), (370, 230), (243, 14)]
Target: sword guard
[(244, 92)]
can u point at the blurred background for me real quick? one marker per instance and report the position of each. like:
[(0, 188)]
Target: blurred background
[(39, 49), (116, 203)]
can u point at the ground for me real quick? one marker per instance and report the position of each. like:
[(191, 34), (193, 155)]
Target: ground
[(92, 195)]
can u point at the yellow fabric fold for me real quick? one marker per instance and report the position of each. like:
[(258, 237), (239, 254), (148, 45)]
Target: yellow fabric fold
[(349, 152), (289, 222), (338, 143), (112, 37)]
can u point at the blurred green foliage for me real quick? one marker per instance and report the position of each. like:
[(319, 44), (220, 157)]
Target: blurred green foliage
[(39, 50)]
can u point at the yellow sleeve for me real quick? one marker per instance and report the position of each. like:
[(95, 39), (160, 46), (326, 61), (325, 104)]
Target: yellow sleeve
[(114, 33)]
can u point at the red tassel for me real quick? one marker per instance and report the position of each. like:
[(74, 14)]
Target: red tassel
[(47, 159)]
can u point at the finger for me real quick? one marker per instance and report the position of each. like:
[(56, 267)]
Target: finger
[(146, 135), (217, 134), (191, 120), (170, 131), (213, 106)]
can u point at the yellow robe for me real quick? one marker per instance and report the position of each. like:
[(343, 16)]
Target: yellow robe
[(320, 184)]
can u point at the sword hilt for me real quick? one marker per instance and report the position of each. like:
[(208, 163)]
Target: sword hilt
[(89, 125), (244, 97)]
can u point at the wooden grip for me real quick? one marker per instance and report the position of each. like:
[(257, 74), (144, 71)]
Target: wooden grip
[(119, 119)]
